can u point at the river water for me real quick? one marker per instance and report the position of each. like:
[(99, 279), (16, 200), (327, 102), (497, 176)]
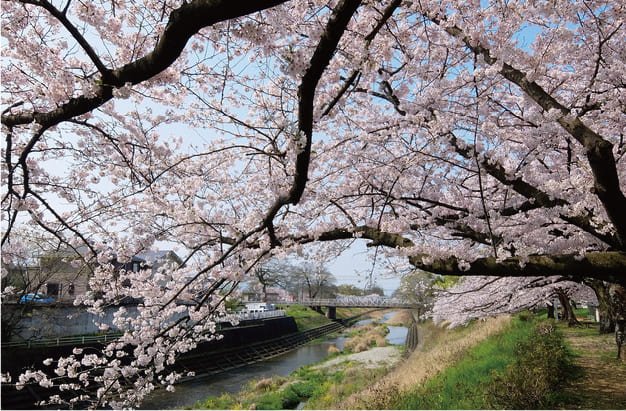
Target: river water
[(232, 381)]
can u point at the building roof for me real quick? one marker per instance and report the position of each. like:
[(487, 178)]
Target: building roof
[(152, 256)]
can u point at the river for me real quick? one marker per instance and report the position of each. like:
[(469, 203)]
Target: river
[(232, 381)]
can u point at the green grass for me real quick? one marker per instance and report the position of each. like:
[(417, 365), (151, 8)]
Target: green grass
[(581, 312), (305, 384), (341, 385), (305, 317), (469, 384)]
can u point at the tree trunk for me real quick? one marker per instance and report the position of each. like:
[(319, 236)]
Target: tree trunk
[(605, 307), (550, 307), (568, 311), (619, 337), (617, 294)]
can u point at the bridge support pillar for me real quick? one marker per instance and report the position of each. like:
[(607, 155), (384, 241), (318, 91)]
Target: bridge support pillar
[(331, 313)]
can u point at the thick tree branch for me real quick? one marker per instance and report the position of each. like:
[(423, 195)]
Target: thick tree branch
[(336, 26), (183, 23), (326, 47), (608, 266), (599, 151), (603, 265)]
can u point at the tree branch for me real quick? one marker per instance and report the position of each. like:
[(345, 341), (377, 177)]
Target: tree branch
[(326, 47), (183, 23), (607, 265), (599, 151), (603, 265)]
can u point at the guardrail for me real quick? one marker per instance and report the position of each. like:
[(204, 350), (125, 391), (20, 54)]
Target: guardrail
[(258, 315), (103, 338), (351, 302), (55, 342)]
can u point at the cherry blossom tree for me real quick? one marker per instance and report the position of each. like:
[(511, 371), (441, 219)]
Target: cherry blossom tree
[(479, 296), (418, 288), (467, 137)]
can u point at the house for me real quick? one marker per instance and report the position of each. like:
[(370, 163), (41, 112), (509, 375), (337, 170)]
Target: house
[(156, 259), (61, 275), (64, 275)]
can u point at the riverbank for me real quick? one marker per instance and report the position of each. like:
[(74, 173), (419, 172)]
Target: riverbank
[(513, 363), (366, 353), (437, 349), (522, 362)]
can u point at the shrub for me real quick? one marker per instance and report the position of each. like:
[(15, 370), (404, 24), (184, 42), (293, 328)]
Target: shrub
[(333, 349), (383, 397), (223, 402), (542, 364), (269, 401), (263, 384), (525, 316)]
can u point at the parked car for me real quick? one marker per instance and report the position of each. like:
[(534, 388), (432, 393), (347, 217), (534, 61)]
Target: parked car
[(35, 298)]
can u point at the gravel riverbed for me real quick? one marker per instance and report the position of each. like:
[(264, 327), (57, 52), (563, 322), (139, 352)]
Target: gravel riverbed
[(373, 358)]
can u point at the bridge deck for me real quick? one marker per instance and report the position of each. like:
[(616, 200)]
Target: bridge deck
[(349, 303)]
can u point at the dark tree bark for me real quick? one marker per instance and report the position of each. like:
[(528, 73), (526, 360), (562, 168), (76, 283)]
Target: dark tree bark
[(620, 328), (568, 311), (605, 307)]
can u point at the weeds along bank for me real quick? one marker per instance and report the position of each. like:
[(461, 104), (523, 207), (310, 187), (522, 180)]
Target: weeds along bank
[(518, 363), (366, 357), (438, 349), (520, 368), (499, 363)]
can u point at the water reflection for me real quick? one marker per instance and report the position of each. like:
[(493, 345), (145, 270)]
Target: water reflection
[(397, 335)]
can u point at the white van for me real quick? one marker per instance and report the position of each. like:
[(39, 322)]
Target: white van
[(259, 307)]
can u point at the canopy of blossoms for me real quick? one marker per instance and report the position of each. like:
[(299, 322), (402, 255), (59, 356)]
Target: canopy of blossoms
[(466, 137)]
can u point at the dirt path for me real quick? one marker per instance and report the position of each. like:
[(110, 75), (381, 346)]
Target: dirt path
[(603, 383)]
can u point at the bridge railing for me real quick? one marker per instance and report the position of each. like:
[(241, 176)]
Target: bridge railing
[(259, 315), (356, 301)]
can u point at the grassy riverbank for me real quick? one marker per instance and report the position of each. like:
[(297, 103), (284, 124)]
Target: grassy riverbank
[(306, 318), (519, 368), (519, 363), (504, 362), (366, 357)]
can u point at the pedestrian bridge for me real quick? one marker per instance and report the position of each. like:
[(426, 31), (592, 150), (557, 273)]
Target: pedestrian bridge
[(332, 304)]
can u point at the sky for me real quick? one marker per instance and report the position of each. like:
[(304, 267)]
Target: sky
[(354, 266)]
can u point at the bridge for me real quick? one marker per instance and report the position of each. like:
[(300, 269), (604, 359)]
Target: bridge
[(332, 304)]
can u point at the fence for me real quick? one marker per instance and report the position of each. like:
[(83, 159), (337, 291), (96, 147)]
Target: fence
[(70, 340), (257, 315), (355, 301), (103, 338)]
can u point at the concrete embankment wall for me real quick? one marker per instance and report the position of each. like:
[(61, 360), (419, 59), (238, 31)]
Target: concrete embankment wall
[(41, 321), (247, 332)]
